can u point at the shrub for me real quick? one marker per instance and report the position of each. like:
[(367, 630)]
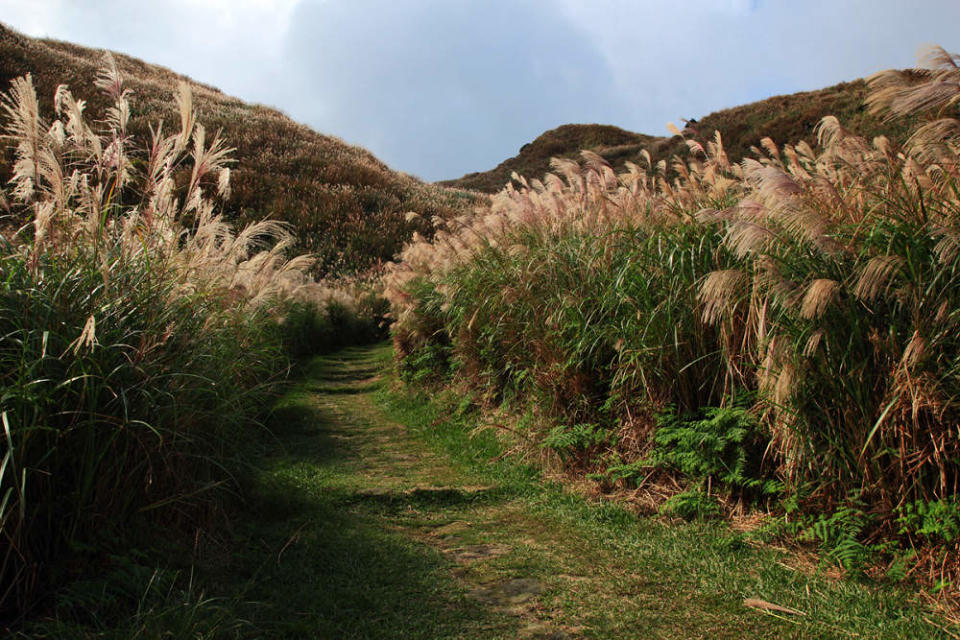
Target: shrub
[(725, 446)]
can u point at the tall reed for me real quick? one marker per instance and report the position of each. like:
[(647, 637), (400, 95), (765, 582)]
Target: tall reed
[(136, 331), (819, 286)]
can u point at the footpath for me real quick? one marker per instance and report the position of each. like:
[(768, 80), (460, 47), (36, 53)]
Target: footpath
[(376, 515)]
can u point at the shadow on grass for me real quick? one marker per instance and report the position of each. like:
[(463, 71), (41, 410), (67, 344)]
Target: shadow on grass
[(306, 430), (353, 375), (331, 570), (335, 390), (312, 556)]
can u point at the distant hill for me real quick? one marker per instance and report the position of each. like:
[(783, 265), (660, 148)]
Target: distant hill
[(347, 206), (785, 119), (564, 141)]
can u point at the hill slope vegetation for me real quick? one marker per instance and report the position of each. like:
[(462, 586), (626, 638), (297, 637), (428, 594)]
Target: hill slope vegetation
[(346, 205), (784, 119)]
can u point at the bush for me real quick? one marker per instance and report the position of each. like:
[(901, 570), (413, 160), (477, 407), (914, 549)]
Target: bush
[(725, 446)]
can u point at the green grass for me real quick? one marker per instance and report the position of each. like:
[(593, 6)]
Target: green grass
[(322, 550), (614, 575), (375, 513)]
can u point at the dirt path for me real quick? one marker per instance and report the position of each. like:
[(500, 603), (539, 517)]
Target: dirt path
[(373, 517)]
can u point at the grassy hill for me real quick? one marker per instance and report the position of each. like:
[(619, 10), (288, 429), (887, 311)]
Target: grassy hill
[(567, 140), (788, 118), (347, 206)]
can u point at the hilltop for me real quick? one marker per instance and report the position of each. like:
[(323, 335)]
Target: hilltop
[(567, 140), (346, 205), (786, 118)]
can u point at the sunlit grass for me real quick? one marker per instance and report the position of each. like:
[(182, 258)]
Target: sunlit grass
[(818, 287)]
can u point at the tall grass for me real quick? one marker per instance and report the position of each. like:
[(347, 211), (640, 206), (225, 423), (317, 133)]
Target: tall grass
[(817, 286), (345, 206), (581, 291), (138, 336), (783, 118), (320, 317)]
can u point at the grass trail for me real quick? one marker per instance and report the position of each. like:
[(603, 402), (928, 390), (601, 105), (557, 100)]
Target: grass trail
[(374, 516)]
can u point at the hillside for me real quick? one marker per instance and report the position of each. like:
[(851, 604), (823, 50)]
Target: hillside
[(787, 118), (566, 141), (347, 206)]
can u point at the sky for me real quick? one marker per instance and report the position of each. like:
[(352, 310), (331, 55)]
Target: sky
[(440, 88)]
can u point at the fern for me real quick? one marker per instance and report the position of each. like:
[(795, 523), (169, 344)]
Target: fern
[(566, 439), (691, 505), (839, 536), (725, 446), (939, 519), (628, 471)]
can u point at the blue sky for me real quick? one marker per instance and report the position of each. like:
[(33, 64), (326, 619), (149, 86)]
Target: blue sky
[(439, 88)]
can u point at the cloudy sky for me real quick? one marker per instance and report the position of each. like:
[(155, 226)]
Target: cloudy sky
[(439, 88)]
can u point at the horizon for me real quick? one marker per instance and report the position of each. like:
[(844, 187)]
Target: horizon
[(439, 90)]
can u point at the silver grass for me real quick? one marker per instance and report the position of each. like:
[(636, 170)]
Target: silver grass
[(813, 343), (820, 295), (24, 126), (877, 276), (719, 292)]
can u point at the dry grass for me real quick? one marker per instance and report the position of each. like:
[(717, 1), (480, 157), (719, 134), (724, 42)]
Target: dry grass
[(787, 118), (346, 206), (75, 184), (533, 159), (818, 278)]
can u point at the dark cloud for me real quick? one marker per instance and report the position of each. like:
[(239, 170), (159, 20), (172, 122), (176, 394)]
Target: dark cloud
[(440, 88)]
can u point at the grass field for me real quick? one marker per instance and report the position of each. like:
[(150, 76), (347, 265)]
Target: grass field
[(377, 513)]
